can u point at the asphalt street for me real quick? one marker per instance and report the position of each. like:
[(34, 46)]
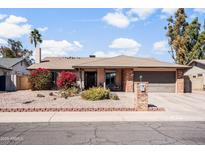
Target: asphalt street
[(99, 133)]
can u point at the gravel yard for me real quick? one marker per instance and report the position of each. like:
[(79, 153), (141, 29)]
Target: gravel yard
[(29, 99)]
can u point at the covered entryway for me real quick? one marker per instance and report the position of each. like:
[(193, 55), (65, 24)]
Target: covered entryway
[(90, 79), (2, 83), (159, 81)]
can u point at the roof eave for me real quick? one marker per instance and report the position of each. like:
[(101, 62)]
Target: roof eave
[(181, 67), (103, 67), (51, 68), (5, 68)]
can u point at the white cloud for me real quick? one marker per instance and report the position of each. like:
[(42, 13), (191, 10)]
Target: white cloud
[(14, 27), (2, 16), (115, 53), (167, 12), (77, 44), (122, 19), (3, 42), (120, 46), (15, 19), (141, 13), (161, 46), (13, 30), (199, 10), (59, 48), (125, 43), (116, 19), (42, 29)]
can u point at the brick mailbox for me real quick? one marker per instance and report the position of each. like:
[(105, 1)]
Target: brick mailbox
[(141, 96)]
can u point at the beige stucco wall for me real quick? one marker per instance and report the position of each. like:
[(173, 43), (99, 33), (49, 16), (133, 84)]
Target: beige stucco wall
[(100, 76), (119, 77), (155, 69), (197, 83), (128, 83), (180, 81)]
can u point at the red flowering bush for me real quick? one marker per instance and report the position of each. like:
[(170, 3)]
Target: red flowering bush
[(40, 79), (66, 80)]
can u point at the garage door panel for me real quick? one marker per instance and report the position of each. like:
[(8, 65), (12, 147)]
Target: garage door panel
[(158, 81), (161, 87)]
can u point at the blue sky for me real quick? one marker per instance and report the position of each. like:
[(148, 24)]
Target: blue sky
[(104, 32)]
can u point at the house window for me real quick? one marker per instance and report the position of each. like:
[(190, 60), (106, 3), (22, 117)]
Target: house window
[(200, 75), (110, 79)]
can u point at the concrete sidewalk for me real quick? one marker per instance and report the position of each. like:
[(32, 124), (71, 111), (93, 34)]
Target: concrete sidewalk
[(7, 117)]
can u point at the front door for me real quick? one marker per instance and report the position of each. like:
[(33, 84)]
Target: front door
[(90, 79), (110, 80)]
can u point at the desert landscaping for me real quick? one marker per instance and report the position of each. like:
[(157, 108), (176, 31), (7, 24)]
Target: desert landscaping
[(52, 99)]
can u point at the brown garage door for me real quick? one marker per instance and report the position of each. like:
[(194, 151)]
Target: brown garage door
[(158, 81)]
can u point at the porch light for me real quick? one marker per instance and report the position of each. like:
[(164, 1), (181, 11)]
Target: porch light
[(141, 78)]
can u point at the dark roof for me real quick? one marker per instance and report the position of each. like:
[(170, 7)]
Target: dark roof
[(9, 62)]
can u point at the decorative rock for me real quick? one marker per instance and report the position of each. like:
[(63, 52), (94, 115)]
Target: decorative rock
[(40, 95), (51, 94), (27, 102)]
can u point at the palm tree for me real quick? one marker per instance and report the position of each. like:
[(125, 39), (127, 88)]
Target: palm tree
[(35, 37)]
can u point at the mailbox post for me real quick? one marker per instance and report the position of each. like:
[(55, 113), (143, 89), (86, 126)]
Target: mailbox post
[(141, 96)]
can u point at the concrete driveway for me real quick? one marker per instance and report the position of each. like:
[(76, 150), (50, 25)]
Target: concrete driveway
[(192, 103)]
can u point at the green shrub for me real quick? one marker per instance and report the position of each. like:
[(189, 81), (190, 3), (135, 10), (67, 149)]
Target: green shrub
[(69, 92), (97, 93), (114, 96), (41, 79)]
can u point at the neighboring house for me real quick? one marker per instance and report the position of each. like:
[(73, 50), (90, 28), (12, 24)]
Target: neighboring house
[(195, 76), (10, 68), (118, 73)]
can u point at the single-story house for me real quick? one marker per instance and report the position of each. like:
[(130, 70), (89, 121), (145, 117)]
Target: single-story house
[(195, 76), (9, 69), (117, 73)]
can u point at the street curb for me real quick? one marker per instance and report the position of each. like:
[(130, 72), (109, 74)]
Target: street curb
[(76, 109)]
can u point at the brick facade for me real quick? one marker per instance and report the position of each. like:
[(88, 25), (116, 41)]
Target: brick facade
[(179, 81), (100, 76), (141, 97), (119, 77), (128, 82)]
